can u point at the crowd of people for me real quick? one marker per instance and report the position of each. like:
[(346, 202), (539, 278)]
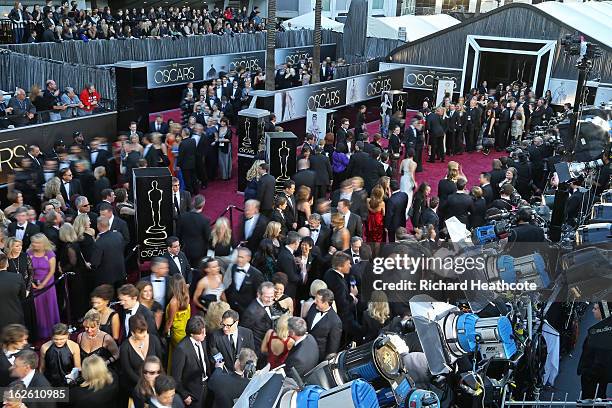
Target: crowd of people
[(218, 304), (66, 22), (48, 105)]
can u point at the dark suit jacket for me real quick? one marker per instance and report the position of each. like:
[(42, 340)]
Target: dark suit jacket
[(487, 193), (340, 136), (256, 318), (303, 357), (39, 381), (342, 294), (187, 369), (355, 225), (185, 266), (5, 371), (239, 300), (146, 313), (107, 259), (121, 227), (99, 185), (477, 215), (357, 163), (186, 159), (395, 211), (436, 125), (12, 293), (327, 332), (30, 230), (163, 129), (193, 229), (373, 170), (429, 216), (152, 157), (265, 191), (324, 239), (320, 164), (101, 160), (75, 189), (260, 228), (459, 205), (304, 178), (286, 263), (228, 387), (281, 217), (219, 343)]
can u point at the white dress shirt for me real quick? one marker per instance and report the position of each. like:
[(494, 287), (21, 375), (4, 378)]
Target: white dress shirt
[(94, 156), (249, 226), (267, 308), (127, 317), (318, 316), (346, 219), (314, 233), (28, 378), (19, 233), (159, 289), (240, 275), (199, 350), (177, 262)]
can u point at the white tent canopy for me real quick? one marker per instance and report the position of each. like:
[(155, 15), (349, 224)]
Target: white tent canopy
[(590, 18), (306, 21), (416, 26)]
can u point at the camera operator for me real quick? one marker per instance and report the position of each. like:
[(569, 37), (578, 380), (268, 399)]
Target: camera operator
[(504, 203), (524, 180), (524, 231), (575, 201), (229, 385)]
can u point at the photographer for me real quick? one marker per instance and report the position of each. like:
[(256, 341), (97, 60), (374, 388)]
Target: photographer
[(504, 203), (536, 157), (524, 231), (226, 385), (524, 179)]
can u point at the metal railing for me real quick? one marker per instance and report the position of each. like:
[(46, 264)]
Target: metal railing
[(552, 403)]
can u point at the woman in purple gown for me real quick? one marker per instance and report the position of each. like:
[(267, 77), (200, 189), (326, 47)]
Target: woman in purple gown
[(44, 263)]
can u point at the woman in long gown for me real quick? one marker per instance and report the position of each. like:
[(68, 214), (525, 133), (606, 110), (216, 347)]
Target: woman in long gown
[(43, 264), (19, 262), (375, 231), (224, 143), (178, 312), (71, 260), (408, 179)]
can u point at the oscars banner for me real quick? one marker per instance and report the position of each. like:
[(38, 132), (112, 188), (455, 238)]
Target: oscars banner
[(293, 103), (174, 72), (443, 88), (296, 54), (214, 65), (153, 201), (281, 154), (420, 77), (251, 140)]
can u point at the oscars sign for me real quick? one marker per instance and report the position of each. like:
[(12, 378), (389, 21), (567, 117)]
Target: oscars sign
[(153, 200)]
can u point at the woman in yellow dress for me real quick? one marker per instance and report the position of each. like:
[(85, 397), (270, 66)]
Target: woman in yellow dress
[(178, 312)]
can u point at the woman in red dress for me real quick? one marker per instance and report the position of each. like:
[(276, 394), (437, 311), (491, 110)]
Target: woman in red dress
[(375, 230), (277, 342)]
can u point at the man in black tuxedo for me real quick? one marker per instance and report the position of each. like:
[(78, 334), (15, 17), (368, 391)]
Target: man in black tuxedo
[(177, 260), (104, 196), (150, 153), (413, 138), (319, 232), (70, 187), (230, 339), (189, 90), (451, 128), (459, 204), (352, 221), (538, 116), (107, 258), (116, 223), (304, 176), (324, 324), (253, 225), (373, 170), (354, 250), (357, 162), (158, 125), (265, 190), (485, 184), (186, 162), (319, 163), (128, 298), (270, 125), (304, 355), (437, 130), (12, 293), (181, 200), (21, 228), (341, 133), (99, 157), (24, 370), (193, 229), (286, 263), (497, 175), (345, 296), (503, 126), (191, 364), (258, 316), (82, 205), (290, 212), (429, 215), (472, 125), (231, 383), (241, 281), (395, 210), (160, 282)]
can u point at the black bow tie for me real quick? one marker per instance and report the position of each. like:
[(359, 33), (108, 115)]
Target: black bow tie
[(240, 270), (20, 228), (158, 280), (314, 230), (128, 312), (322, 313)]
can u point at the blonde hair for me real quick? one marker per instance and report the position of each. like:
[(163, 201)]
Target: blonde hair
[(253, 173), (213, 316), (273, 230), (453, 170), (95, 373), (282, 327), (92, 316), (316, 286), (378, 307), (337, 220), (222, 232), (40, 237), (10, 242), (52, 187), (67, 233), (80, 225), (99, 172)]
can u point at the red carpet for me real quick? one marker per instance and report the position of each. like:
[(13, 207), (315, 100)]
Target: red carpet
[(220, 194)]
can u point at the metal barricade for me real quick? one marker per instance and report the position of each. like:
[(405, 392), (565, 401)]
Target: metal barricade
[(564, 403)]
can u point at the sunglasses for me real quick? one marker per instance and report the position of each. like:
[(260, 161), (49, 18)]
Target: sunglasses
[(227, 325)]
